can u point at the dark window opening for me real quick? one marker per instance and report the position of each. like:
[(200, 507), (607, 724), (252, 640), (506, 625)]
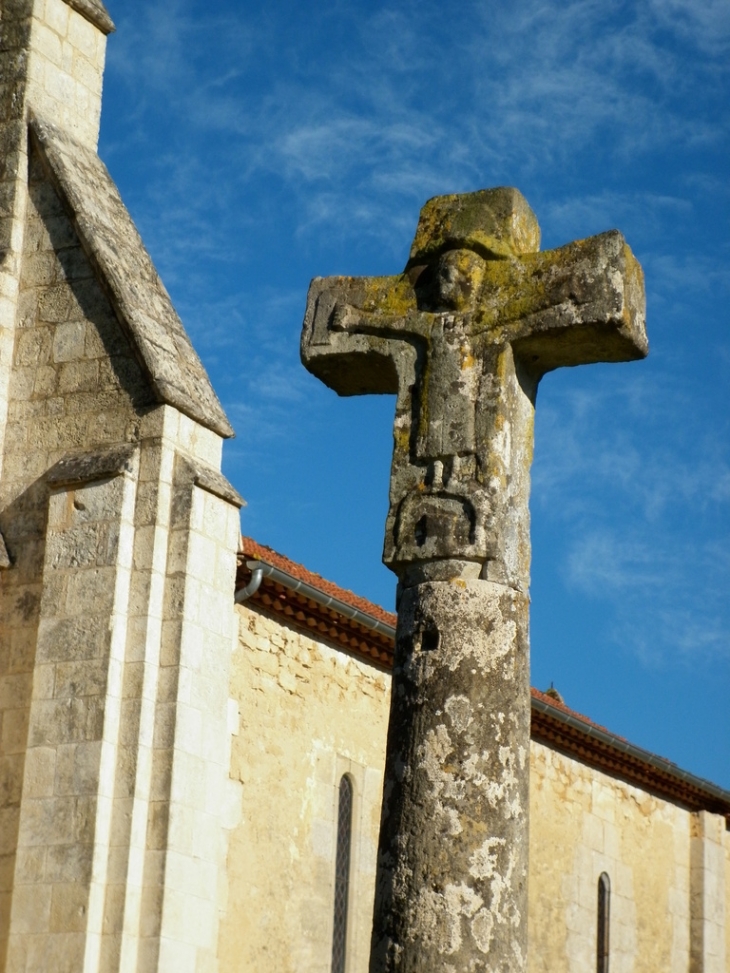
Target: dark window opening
[(604, 922), (342, 875)]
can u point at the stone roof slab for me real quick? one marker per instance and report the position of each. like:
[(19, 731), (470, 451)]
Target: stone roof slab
[(125, 270)]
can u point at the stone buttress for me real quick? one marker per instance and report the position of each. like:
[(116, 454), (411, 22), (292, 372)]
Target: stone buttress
[(117, 548)]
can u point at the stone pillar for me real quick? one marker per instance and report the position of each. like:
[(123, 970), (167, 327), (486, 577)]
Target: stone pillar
[(125, 797), (708, 904), (189, 787), (63, 847), (452, 868)]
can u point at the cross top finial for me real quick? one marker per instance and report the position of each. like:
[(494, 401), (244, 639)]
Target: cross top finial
[(462, 337), (495, 223)]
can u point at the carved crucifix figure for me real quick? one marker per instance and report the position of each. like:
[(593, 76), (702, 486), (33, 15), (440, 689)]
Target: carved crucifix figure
[(462, 338)]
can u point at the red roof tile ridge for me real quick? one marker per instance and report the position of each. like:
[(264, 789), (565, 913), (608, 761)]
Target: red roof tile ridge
[(252, 550), (551, 701)]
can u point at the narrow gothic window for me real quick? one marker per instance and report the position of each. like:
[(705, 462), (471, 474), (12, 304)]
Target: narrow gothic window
[(342, 875), (604, 922)]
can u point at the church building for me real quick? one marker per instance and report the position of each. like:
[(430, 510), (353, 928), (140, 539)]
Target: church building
[(192, 727), (629, 854)]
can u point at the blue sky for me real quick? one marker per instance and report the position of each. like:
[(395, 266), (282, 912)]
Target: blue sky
[(259, 145)]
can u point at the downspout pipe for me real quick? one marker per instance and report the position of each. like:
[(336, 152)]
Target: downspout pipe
[(260, 570), (257, 576)]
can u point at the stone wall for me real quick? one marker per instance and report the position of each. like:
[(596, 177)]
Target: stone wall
[(584, 823), (310, 712), (66, 68), (727, 900), (75, 385)]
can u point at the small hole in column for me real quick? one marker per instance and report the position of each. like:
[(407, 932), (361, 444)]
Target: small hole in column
[(430, 639)]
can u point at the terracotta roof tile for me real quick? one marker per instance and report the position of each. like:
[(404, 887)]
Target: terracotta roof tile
[(561, 707), (254, 551)]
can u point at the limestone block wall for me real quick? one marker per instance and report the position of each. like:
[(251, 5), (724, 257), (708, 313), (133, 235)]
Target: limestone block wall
[(707, 894), (192, 796), (66, 814), (52, 64), (308, 714), (116, 613), (74, 385), (584, 823), (117, 814), (726, 842)]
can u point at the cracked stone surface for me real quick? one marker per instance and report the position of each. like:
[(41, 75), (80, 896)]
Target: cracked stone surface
[(462, 338)]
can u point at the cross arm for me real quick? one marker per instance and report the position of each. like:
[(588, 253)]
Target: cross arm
[(578, 304), (349, 327)]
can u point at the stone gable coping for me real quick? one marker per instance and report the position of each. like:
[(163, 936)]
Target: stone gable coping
[(125, 270), (95, 12), (87, 467), (212, 481)]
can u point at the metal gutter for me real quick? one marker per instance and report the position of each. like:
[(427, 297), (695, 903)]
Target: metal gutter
[(629, 750), (327, 601)]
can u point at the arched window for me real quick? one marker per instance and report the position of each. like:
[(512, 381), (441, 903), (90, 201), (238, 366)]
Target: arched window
[(342, 875), (604, 922)]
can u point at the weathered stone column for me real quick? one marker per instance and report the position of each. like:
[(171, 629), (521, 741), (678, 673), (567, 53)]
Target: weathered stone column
[(463, 337), (453, 845)]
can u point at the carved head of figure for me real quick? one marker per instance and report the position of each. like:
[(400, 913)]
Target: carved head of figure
[(452, 282)]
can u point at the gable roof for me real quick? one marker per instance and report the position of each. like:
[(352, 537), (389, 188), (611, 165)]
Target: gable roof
[(301, 598), (125, 270), (95, 12)]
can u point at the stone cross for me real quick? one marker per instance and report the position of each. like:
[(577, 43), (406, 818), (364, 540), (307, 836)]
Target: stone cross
[(462, 337)]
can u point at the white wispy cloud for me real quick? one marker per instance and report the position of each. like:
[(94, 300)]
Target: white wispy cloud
[(705, 25), (643, 508), (502, 93)]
